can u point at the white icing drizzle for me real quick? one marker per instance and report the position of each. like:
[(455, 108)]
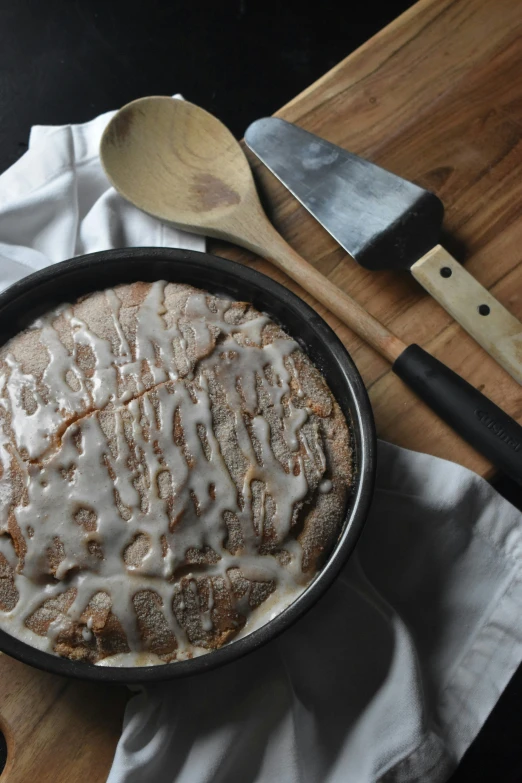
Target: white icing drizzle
[(102, 447)]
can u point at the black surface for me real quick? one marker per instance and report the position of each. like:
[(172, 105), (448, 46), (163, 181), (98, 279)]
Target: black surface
[(66, 61), (26, 300), (496, 754)]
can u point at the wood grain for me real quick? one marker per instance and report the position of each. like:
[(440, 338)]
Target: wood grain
[(57, 730), (435, 97)]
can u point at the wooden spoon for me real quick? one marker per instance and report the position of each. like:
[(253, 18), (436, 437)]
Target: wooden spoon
[(179, 163)]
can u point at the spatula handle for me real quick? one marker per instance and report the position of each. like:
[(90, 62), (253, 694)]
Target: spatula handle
[(478, 420), (475, 309)]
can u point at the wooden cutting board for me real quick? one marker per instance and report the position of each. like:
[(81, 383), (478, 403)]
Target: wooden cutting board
[(437, 98)]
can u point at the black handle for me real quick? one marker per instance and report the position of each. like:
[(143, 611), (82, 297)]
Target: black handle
[(478, 420)]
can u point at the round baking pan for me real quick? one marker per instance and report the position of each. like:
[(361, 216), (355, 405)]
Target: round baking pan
[(26, 300)]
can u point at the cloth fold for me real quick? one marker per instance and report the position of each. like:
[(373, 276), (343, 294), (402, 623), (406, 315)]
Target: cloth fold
[(56, 203), (391, 675)]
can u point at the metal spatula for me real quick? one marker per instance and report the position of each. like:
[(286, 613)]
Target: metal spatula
[(385, 222)]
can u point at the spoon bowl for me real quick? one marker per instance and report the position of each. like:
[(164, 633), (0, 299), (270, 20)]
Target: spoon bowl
[(176, 162)]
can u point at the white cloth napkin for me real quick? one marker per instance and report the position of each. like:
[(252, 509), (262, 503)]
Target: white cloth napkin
[(391, 675), (56, 202)]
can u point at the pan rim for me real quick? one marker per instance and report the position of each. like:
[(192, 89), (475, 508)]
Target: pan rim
[(187, 264)]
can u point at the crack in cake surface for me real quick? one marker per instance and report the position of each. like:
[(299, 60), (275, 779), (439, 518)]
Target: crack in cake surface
[(188, 439)]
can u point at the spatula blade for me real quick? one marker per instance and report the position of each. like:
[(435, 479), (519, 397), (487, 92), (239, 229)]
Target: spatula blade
[(382, 220)]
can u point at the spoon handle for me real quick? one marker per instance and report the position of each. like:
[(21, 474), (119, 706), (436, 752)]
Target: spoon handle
[(275, 249)]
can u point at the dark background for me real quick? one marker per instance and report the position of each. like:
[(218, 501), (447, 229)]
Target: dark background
[(65, 61)]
